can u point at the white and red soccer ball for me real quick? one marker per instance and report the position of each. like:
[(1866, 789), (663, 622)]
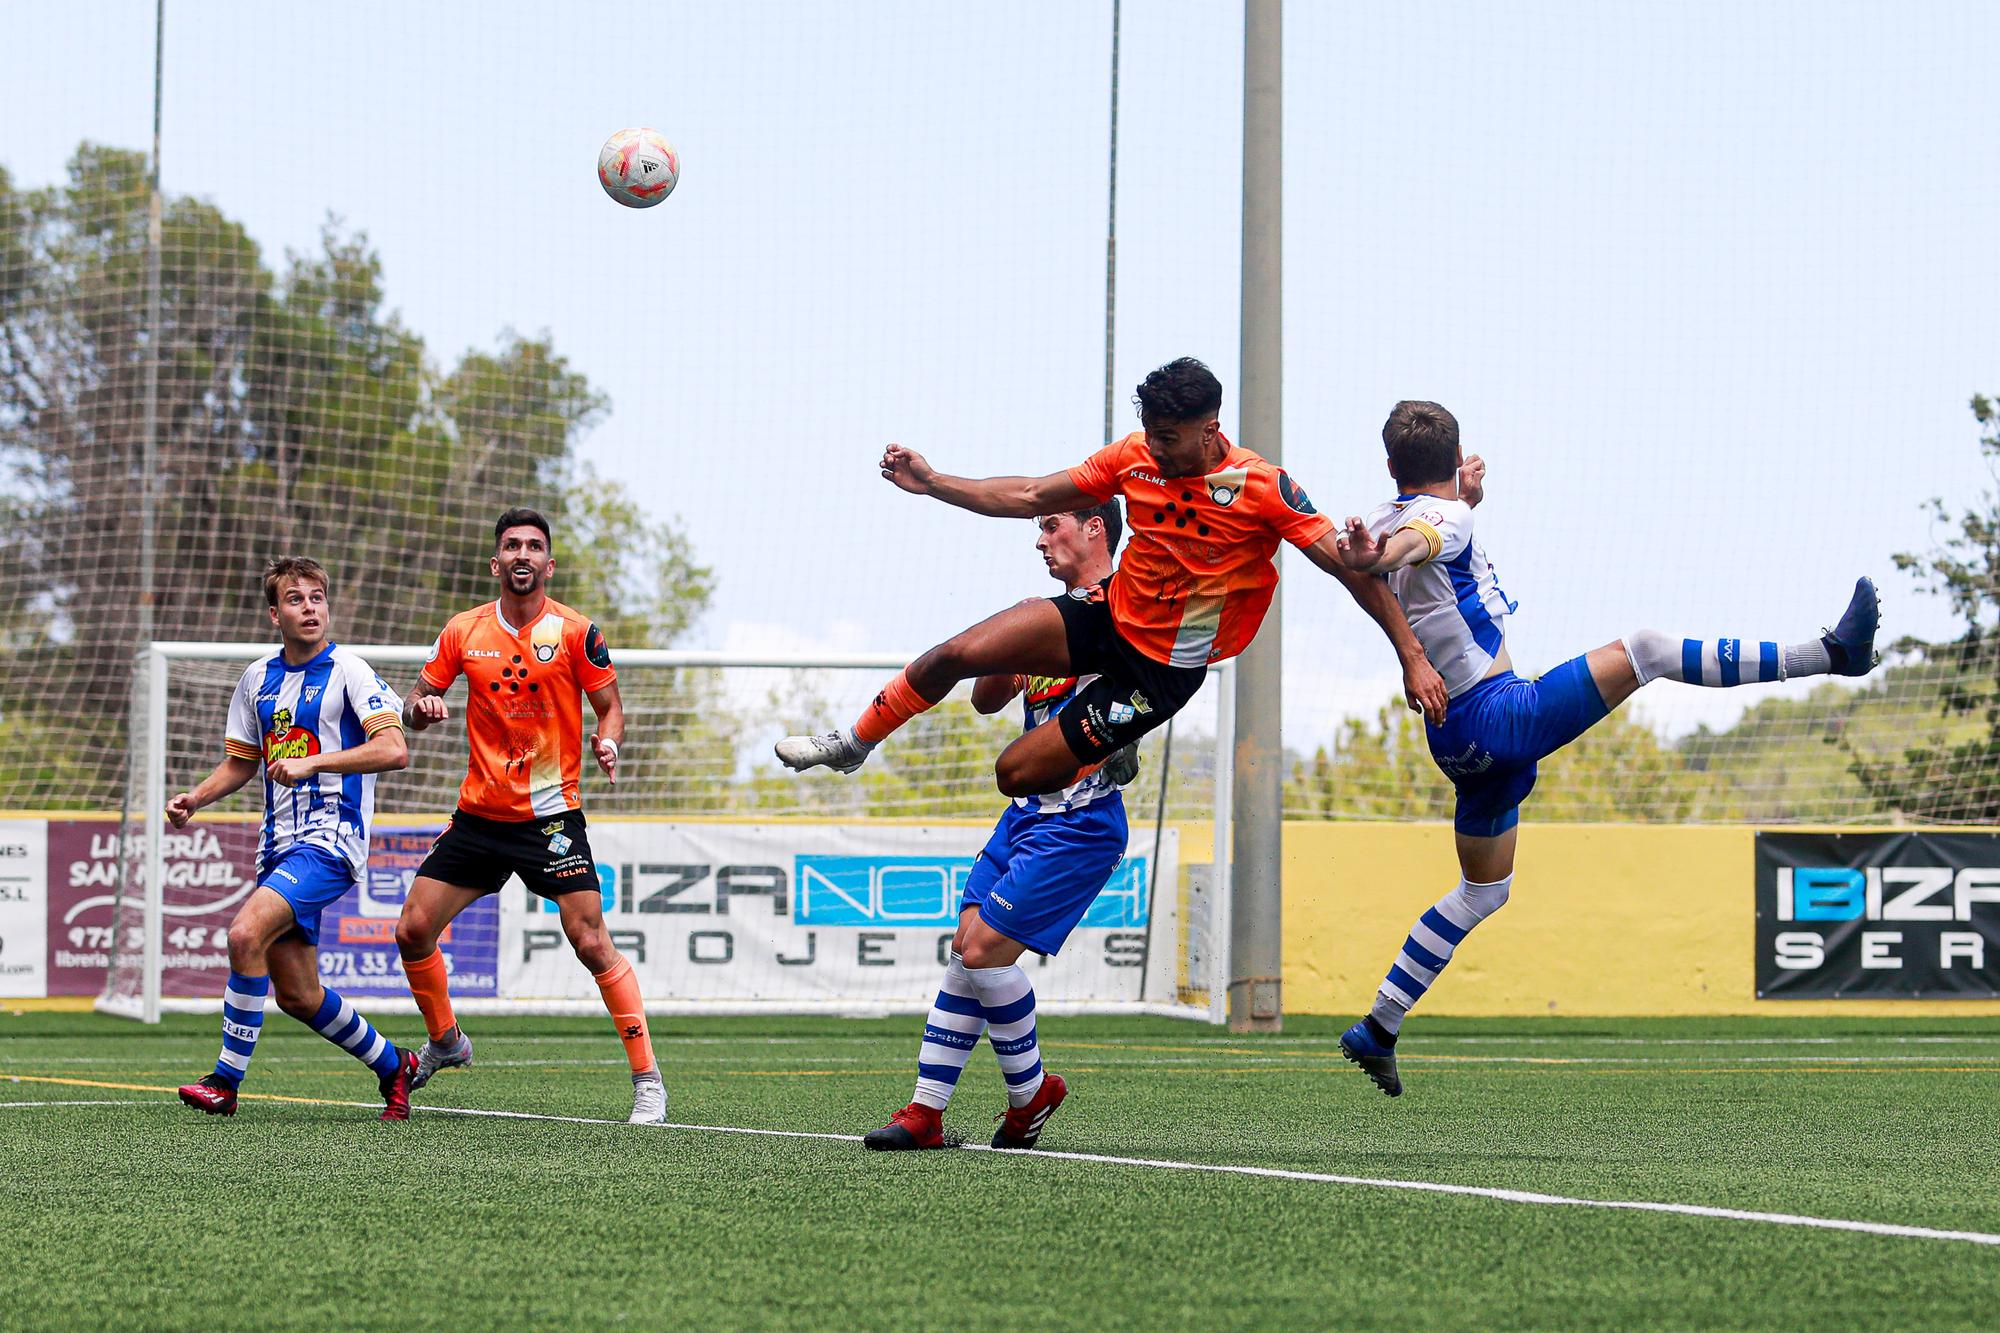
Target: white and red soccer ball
[(638, 168)]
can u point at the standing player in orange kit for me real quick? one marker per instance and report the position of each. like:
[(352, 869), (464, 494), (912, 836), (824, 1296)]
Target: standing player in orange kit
[(526, 658), (1197, 577)]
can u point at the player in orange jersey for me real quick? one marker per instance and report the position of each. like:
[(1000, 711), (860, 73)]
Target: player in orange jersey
[(1206, 518), (526, 659)]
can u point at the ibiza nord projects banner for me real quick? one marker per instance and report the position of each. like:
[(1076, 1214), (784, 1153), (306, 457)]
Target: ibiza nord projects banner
[(1878, 915)]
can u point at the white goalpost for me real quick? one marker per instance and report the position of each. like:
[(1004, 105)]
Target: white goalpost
[(733, 885)]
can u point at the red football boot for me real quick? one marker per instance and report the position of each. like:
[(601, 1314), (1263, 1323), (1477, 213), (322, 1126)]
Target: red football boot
[(212, 1094), (396, 1088), (915, 1126), (1022, 1125)]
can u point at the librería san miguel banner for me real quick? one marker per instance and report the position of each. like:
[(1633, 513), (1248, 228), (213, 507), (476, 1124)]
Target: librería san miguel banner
[(1878, 915)]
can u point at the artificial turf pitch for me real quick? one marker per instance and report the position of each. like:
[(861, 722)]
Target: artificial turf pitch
[(122, 1207)]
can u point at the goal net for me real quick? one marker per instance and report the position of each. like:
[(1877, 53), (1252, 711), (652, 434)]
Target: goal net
[(731, 884)]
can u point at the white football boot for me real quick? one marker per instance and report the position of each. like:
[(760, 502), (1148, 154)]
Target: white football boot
[(837, 750), (649, 1099)]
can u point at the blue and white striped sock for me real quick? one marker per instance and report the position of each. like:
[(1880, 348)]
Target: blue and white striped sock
[(242, 1022), (1429, 947), (342, 1024), (950, 1033), (1722, 662), (1009, 1001)]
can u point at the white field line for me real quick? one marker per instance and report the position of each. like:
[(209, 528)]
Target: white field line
[(1110, 1060), (29, 1106), (1526, 1197)]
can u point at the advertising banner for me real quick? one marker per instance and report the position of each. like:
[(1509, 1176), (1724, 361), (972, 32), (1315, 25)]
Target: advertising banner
[(827, 913), (24, 907), (1878, 915), (357, 935)]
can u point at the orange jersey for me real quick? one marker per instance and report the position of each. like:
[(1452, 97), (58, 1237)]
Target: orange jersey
[(523, 705), (1196, 578)]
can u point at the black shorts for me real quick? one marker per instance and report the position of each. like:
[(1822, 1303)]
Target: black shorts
[(550, 853), (1132, 693)]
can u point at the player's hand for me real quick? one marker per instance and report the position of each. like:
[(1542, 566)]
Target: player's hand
[(1357, 546), (291, 772), (1472, 479), (907, 468), (426, 710), (181, 809), (606, 751), (1424, 691)]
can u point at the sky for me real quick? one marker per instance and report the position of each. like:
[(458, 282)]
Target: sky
[(1708, 284)]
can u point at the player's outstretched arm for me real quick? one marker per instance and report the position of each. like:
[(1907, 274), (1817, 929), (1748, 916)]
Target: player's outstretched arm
[(1423, 688), (424, 706), (995, 497), (610, 733), (228, 776)]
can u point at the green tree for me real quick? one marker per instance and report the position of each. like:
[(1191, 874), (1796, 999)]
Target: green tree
[(1951, 774), (296, 415)]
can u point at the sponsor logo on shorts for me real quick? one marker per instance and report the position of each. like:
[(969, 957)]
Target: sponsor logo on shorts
[(285, 874), (1142, 703), (560, 844), (1005, 905), (1121, 713)]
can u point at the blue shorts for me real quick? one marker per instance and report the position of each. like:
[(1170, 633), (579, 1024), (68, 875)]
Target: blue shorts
[(311, 879), (1494, 733), (1038, 874)]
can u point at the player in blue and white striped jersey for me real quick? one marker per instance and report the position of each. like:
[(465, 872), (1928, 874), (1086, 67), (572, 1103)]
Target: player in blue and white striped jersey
[(1497, 726), (320, 724), (1048, 858)]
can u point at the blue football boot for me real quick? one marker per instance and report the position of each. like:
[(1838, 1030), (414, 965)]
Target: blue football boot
[(1376, 1057), (1851, 643)]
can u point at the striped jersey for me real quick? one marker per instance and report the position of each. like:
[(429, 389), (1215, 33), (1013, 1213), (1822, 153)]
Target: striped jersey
[(1042, 698), (1451, 596), (1197, 575), (281, 711)]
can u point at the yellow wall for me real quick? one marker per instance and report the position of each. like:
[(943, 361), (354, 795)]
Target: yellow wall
[(1603, 920)]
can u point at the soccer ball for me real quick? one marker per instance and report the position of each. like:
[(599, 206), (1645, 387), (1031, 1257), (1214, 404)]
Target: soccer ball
[(638, 168)]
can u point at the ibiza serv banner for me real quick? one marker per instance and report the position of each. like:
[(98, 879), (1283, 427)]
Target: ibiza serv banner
[(1878, 915)]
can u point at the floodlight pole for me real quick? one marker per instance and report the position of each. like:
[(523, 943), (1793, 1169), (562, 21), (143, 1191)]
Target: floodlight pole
[(1255, 925)]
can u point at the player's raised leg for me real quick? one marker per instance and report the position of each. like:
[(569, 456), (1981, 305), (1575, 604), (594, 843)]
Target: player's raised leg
[(583, 922), (430, 906), (1028, 638), (1848, 649)]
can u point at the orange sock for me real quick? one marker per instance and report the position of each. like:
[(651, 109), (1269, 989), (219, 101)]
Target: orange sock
[(427, 982), (896, 704), (628, 1011)]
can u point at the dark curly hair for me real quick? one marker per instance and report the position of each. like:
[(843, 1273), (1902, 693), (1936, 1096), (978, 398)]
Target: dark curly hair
[(522, 518), (1422, 440), (1182, 390)]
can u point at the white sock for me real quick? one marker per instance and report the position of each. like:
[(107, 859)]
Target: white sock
[(1009, 1001), (1429, 947), (950, 1033), (1721, 662)]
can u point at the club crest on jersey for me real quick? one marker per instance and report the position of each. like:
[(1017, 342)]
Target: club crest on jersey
[(545, 652), (1225, 486), (311, 692)]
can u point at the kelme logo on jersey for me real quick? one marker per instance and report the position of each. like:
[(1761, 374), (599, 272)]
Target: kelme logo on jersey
[(1293, 494), (1225, 486)]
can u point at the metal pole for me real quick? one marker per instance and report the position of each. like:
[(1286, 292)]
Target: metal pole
[(156, 862), (149, 480), (1111, 245), (1255, 939)]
